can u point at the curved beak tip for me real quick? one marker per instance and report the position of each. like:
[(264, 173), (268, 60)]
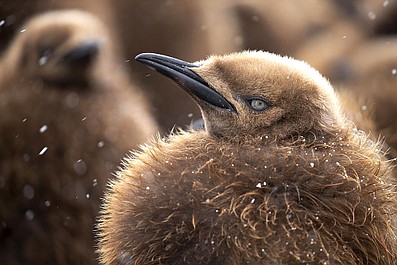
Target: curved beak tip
[(82, 53), (181, 72)]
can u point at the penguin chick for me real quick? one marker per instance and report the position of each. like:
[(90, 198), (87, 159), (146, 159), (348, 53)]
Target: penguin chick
[(359, 110), (279, 176), (50, 48), (323, 51), (284, 26), (68, 115), (374, 78)]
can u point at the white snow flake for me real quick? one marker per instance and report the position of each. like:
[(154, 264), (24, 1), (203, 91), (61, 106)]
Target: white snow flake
[(43, 150)]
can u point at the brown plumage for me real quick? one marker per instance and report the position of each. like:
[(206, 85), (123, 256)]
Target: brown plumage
[(68, 115), (279, 176)]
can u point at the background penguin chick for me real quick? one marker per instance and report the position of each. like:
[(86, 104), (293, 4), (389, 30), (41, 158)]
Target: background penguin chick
[(377, 17), (324, 51), (166, 26), (359, 110), (386, 23), (283, 26), (69, 114), (15, 14), (373, 75), (278, 177), (55, 49)]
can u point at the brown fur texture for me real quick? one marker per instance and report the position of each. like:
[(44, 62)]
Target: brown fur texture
[(296, 183), (64, 126)]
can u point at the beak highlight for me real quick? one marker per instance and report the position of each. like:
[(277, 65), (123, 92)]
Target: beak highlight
[(180, 72), (85, 52)]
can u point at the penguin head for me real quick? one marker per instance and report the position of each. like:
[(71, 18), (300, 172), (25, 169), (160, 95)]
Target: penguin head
[(57, 47), (255, 93)]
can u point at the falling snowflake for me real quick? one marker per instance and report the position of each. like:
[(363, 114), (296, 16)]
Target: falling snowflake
[(43, 150), (29, 214), (43, 128)]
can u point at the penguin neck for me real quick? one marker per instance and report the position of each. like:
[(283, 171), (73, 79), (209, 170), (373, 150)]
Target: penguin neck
[(306, 139)]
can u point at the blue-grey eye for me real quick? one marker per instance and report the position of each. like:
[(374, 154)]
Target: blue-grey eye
[(44, 56), (258, 104)]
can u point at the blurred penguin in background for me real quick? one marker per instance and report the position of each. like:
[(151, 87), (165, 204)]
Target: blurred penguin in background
[(372, 74), (167, 26), (69, 114)]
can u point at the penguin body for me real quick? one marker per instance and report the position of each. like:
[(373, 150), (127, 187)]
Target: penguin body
[(224, 205), (69, 113), (279, 176)]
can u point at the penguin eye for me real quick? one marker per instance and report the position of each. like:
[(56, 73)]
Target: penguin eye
[(44, 56), (258, 104)]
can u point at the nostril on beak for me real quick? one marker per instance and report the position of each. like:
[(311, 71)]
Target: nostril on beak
[(82, 53)]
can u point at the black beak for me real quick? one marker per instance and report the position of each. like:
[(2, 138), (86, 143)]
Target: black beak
[(180, 72), (83, 53)]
